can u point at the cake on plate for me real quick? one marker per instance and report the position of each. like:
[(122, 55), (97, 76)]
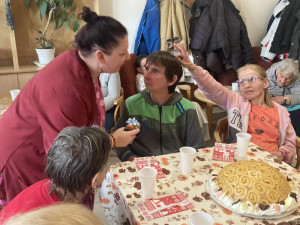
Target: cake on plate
[(253, 188)]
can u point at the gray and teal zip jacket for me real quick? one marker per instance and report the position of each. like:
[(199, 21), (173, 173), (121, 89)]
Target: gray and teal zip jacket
[(164, 128)]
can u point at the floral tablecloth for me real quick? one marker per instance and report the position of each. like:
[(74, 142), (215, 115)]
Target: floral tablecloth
[(121, 190)]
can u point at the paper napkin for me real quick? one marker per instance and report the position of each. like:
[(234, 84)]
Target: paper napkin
[(224, 152), (148, 206), (152, 162)]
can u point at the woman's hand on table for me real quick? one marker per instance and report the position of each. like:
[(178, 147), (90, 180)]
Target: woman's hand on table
[(183, 57), (278, 154), (123, 138)]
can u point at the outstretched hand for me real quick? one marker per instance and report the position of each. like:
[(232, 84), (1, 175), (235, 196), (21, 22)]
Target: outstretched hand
[(183, 57), (124, 138)]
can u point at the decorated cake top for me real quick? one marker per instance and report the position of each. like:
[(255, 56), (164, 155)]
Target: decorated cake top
[(253, 181), (253, 188)]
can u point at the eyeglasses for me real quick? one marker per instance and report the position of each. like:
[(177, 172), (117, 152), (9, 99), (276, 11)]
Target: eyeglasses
[(242, 82)]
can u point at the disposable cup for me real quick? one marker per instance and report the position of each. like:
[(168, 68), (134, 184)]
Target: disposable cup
[(14, 93), (235, 87), (148, 180), (201, 218), (187, 159), (243, 140)]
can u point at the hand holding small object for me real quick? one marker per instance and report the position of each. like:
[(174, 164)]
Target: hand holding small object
[(123, 137), (132, 123)]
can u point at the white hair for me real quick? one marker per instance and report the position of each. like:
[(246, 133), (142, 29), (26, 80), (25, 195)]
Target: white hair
[(288, 66)]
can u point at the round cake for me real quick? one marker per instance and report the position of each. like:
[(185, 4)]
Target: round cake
[(253, 188)]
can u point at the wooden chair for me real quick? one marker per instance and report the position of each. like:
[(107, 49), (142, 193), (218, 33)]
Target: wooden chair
[(298, 152), (119, 106), (187, 89), (221, 132)]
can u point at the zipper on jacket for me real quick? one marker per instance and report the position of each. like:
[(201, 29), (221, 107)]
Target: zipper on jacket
[(160, 138)]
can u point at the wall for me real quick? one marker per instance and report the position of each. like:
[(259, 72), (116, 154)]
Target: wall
[(128, 12), (256, 14)]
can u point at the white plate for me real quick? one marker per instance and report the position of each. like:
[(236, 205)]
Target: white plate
[(284, 214), (39, 64)]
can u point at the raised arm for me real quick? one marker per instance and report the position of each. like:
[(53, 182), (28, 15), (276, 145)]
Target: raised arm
[(212, 89)]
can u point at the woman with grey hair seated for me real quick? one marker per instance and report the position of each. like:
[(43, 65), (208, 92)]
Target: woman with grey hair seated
[(76, 163), (284, 86)]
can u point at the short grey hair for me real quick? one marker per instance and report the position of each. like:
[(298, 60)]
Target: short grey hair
[(288, 66), (76, 156)]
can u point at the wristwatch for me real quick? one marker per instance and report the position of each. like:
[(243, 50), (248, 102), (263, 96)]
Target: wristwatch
[(285, 98)]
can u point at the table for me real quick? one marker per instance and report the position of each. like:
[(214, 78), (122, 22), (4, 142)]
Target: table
[(209, 104), (5, 101), (121, 190)]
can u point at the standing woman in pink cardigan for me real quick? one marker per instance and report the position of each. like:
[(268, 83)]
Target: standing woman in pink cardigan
[(252, 111), (66, 92)]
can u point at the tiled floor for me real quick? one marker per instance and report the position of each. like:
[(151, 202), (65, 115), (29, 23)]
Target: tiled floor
[(217, 114)]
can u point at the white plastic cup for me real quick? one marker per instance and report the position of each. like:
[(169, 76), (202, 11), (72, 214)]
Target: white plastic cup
[(201, 218), (187, 159), (235, 87), (148, 180), (14, 93), (243, 140)]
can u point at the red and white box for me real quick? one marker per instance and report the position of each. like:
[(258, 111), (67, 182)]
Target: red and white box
[(141, 162), (224, 152)]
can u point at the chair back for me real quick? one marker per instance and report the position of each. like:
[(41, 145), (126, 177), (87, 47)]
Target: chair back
[(127, 75), (187, 89), (221, 132), (119, 107)]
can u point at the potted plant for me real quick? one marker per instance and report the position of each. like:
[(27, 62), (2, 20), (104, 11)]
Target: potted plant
[(60, 12)]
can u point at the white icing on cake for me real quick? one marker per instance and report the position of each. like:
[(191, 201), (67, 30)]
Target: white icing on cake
[(247, 208)]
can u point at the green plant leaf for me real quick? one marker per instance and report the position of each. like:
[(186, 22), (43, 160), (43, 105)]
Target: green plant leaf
[(65, 17), (72, 19), (67, 25), (58, 23), (76, 25), (56, 13), (43, 9), (27, 3), (36, 1), (52, 2)]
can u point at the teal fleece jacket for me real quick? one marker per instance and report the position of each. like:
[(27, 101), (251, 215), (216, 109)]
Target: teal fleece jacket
[(164, 128)]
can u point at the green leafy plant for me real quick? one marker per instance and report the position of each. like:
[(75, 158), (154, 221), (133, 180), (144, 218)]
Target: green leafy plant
[(43, 41), (58, 11)]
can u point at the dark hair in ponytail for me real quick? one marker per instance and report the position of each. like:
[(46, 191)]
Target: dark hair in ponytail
[(99, 32)]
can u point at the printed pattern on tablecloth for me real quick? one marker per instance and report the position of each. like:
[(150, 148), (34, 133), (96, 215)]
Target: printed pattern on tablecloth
[(141, 162), (149, 205), (224, 152)]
